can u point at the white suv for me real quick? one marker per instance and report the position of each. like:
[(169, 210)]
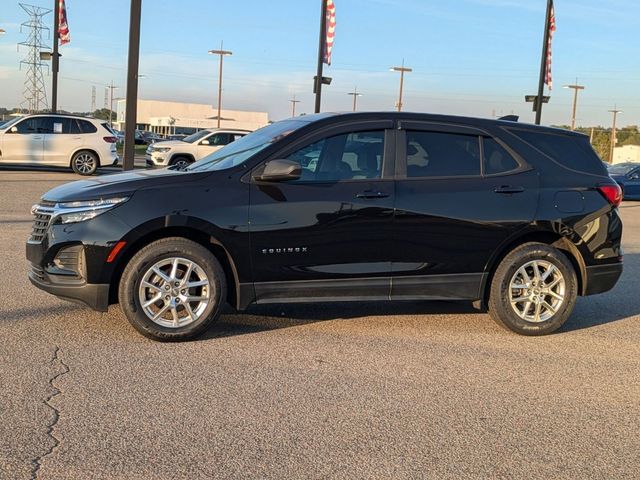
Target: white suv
[(181, 153), (59, 140)]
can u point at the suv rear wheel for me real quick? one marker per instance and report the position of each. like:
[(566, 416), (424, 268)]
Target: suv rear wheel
[(84, 163), (534, 290), (172, 290)]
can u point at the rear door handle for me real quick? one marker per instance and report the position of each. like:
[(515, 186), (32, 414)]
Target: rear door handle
[(372, 194), (509, 189)]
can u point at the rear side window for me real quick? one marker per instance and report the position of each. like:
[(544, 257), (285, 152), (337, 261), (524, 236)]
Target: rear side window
[(87, 127), (496, 158), (570, 151), (437, 154)]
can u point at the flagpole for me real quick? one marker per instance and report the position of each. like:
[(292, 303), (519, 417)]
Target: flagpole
[(55, 59), (543, 63), (321, 44)]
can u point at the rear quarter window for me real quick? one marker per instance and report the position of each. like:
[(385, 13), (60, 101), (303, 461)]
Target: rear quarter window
[(571, 151), (87, 127)]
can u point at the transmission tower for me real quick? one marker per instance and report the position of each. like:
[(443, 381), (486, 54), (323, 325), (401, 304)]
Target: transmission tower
[(106, 97), (93, 99), (34, 93)]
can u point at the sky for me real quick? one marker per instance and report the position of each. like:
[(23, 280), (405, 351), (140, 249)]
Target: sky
[(469, 57)]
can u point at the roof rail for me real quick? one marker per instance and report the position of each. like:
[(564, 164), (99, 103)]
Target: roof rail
[(510, 118)]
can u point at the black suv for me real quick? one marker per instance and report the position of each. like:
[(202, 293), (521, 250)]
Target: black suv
[(365, 206)]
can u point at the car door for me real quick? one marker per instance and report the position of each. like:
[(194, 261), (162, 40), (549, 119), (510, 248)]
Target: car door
[(64, 139), (632, 184), (460, 194), (327, 234), (24, 142), (213, 142)]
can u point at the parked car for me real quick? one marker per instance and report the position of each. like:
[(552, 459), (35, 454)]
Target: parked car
[(394, 206), (627, 175), (181, 153), (83, 144)]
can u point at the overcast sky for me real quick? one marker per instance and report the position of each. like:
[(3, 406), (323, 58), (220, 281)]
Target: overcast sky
[(471, 57)]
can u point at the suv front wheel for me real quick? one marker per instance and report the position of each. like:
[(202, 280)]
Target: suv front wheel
[(172, 289), (534, 290)]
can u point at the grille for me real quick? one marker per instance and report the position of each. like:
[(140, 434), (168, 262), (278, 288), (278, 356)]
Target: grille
[(40, 225), (37, 272)]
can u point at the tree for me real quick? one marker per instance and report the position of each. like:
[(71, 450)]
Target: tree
[(103, 114)]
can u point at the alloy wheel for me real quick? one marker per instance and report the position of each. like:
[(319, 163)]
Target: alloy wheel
[(537, 291), (85, 163), (174, 292)]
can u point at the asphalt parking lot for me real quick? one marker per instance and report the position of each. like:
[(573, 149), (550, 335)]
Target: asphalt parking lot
[(404, 390)]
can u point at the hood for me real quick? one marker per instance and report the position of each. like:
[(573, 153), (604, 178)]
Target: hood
[(169, 143), (119, 184)]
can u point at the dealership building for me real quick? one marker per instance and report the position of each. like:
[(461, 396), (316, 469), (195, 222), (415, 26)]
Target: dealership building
[(169, 118)]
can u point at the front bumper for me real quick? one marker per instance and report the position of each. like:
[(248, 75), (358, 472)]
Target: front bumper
[(602, 278), (93, 295), (156, 159)]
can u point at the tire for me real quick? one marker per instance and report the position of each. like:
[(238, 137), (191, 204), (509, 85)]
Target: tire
[(193, 317), (526, 317), (85, 163), (180, 162)]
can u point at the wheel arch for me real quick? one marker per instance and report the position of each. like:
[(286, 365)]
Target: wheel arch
[(211, 243), (176, 155), (551, 238)]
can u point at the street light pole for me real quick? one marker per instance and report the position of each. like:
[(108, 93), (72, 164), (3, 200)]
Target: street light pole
[(575, 88), (222, 53), (111, 88), (615, 112), (355, 95), (293, 105), (132, 85), (402, 70), (55, 57)]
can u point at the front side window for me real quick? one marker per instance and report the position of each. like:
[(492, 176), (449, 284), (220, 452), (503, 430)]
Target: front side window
[(438, 154), (219, 139), (35, 125), (349, 156), (194, 137)]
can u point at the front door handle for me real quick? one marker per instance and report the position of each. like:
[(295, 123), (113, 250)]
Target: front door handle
[(509, 189), (372, 194)]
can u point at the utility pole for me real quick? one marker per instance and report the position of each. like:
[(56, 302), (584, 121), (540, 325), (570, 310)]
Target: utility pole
[(591, 136), (355, 95), (575, 88), (615, 112), (55, 57), (402, 71), (111, 88), (222, 53), (293, 105), (543, 63), (132, 85)]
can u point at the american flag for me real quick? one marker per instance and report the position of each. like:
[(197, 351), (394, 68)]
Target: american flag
[(330, 31), (63, 27), (552, 28)]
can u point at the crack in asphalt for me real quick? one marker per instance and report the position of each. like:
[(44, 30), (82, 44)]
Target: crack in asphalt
[(37, 462)]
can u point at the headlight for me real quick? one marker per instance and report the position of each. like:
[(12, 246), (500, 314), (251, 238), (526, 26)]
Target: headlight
[(161, 149), (71, 212)]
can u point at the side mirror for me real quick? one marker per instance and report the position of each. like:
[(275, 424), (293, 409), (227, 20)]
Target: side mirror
[(14, 130), (280, 171), (204, 142)]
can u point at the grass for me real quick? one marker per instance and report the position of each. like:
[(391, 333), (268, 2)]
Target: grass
[(138, 149)]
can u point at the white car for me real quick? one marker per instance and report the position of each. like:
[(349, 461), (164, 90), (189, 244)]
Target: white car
[(51, 139), (181, 153)]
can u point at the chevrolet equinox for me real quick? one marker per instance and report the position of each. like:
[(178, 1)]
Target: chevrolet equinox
[(520, 219)]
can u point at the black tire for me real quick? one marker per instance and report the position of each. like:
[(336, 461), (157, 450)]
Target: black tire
[(500, 307), (140, 265), (85, 163), (181, 162)]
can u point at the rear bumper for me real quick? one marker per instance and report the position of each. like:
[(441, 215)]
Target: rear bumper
[(602, 278), (95, 296)]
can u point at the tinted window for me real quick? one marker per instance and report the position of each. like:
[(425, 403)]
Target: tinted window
[(571, 151), (622, 169), (342, 157), (87, 127), (35, 125), (65, 126), (436, 154), (496, 158)]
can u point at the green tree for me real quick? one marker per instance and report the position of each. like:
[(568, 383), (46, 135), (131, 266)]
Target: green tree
[(103, 114)]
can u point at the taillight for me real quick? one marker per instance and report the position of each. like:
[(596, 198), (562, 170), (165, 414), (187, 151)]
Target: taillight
[(110, 139), (613, 193)]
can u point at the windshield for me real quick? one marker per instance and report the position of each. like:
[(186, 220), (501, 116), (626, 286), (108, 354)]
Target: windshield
[(10, 123), (241, 150), (194, 137), (621, 169)]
